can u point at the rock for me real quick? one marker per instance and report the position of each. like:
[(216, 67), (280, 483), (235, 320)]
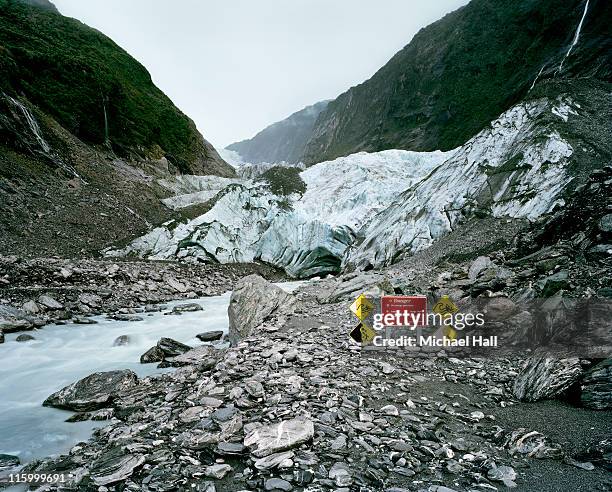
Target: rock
[(1, 336), (30, 307), (531, 444), (605, 223), (122, 340), (49, 302), (11, 324), (600, 251), (254, 300), (91, 300), (217, 471), (583, 465), (187, 308), (274, 438), (500, 309), (79, 417), (114, 466), (505, 474), (254, 388), (597, 386), (553, 283), (546, 377), (24, 338), (390, 410), (172, 348), (166, 347), (93, 392), (81, 320), (478, 265), (124, 317), (209, 336), (273, 460), (154, 354), (230, 449), (205, 357), (477, 416), (8, 461), (276, 484), (341, 475)]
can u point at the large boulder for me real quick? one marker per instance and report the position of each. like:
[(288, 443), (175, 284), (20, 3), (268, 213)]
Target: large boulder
[(93, 392), (274, 438), (13, 319), (546, 377), (253, 301), (597, 386)]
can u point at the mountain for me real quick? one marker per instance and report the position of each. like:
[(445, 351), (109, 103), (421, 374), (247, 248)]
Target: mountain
[(84, 135), (463, 71), (283, 141)]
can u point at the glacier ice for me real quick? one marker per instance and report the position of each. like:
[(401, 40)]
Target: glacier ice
[(305, 235), (515, 168), (367, 209)]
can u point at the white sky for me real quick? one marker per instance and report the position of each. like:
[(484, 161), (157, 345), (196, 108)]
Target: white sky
[(235, 66)]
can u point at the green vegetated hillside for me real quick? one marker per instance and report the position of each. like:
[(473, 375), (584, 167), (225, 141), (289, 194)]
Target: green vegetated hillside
[(84, 135), (95, 89), (461, 72)]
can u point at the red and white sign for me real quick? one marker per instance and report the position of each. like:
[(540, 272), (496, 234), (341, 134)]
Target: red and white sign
[(404, 310)]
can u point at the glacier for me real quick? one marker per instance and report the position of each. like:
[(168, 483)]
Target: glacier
[(306, 235), (513, 168), (368, 209)]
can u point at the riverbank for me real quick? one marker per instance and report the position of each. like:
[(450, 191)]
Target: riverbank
[(336, 417), (41, 291)]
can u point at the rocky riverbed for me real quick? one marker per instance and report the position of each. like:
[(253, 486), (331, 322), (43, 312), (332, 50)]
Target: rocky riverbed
[(37, 292), (295, 405)]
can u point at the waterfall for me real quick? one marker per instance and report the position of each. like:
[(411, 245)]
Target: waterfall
[(35, 129), (32, 124), (537, 77), (576, 36)]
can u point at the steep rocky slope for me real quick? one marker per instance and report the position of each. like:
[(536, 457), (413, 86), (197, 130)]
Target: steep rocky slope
[(463, 71), (84, 134), (283, 141)]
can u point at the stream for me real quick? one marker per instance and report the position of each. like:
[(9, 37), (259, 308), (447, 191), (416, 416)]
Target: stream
[(63, 354)]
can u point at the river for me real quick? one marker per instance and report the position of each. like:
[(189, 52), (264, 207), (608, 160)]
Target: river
[(31, 371)]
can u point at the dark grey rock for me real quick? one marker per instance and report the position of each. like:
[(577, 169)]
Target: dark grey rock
[(8, 461), (209, 336), (24, 338), (187, 307), (172, 348), (154, 354), (597, 386), (115, 466), (276, 484), (93, 392), (49, 302), (605, 223), (546, 377), (121, 340)]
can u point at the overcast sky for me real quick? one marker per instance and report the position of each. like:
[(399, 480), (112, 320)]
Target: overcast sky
[(235, 66)]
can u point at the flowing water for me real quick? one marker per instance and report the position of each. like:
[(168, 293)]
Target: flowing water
[(60, 355)]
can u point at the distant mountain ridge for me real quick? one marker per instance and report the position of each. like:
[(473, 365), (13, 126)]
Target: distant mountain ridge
[(461, 72), (281, 141)]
